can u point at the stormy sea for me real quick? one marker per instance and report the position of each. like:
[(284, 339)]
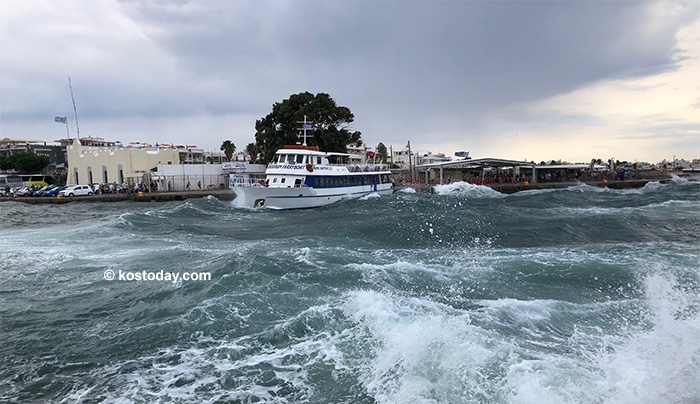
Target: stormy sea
[(578, 295)]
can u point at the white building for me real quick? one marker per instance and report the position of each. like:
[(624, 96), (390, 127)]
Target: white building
[(431, 158), (94, 160)]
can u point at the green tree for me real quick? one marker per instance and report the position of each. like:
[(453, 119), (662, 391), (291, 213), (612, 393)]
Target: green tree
[(24, 163), (252, 150), (228, 148), (330, 122), (382, 153)]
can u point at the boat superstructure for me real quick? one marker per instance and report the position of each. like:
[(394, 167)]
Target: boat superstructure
[(303, 177)]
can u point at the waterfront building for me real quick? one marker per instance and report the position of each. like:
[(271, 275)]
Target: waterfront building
[(94, 160), (55, 152)]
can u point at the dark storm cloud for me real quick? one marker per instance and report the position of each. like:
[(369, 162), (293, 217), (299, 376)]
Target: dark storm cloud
[(409, 58)]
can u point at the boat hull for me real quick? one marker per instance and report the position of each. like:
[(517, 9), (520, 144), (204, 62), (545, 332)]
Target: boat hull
[(300, 197)]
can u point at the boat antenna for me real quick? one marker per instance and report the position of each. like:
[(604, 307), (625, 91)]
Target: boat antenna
[(306, 126), (75, 110)]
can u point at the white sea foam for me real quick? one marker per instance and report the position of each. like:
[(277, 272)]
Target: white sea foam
[(660, 365), (408, 190), (372, 195), (426, 352), (466, 189), (223, 370)]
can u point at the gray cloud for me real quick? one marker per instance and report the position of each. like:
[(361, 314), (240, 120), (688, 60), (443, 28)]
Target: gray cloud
[(404, 68)]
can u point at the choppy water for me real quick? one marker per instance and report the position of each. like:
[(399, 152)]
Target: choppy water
[(582, 295)]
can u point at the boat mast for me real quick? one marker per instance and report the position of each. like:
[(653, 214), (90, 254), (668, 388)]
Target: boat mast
[(75, 110), (306, 126)]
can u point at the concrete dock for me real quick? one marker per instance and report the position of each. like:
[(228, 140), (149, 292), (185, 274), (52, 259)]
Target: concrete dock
[(221, 194), (228, 195), (517, 187)]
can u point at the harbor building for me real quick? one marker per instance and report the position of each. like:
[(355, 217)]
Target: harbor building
[(94, 160)]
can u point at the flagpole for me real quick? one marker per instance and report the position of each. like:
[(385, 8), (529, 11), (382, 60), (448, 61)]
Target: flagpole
[(75, 110), (67, 133)]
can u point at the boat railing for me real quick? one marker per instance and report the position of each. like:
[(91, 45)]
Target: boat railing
[(353, 168), (248, 181), (357, 167)]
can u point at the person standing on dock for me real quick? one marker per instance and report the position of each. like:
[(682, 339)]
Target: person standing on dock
[(187, 187), (199, 185)]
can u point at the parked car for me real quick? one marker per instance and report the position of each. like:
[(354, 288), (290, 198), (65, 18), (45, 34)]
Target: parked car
[(24, 191), (54, 191), (77, 190), (39, 191)]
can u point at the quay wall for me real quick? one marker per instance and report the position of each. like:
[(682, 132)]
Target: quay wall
[(517, 187), (224, 195), (228, 195)]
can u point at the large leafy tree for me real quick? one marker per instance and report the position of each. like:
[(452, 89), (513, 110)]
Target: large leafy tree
[(382, 153), (228, 148), (331, 125), (24, 163)]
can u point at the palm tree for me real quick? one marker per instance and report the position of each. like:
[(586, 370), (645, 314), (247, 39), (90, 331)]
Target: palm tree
[(228, 148), (252, 151)]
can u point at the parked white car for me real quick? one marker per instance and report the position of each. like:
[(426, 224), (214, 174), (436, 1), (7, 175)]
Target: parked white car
[(76, 190)]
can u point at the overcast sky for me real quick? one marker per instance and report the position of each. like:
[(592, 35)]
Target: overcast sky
[(531, 80)]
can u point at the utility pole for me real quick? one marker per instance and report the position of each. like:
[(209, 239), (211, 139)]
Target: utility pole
[(410, 156)]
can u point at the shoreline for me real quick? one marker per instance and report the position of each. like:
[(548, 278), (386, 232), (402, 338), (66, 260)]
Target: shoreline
[(228, 195)]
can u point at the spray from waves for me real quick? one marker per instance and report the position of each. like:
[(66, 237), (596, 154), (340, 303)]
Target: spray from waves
[(408, 190), (425, 352), (659, 365), (679, 180), (468, 190)]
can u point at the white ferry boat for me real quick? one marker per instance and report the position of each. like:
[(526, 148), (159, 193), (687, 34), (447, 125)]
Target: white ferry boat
[(303, 177)]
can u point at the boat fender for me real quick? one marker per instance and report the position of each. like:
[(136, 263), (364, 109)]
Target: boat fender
[(376, 168), (366, 168), (357, 168), (309, 168)]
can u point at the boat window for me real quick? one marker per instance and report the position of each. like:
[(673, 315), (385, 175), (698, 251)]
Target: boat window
[(297, 182), (274, 180), (318, 159), (282, 181), (290, 159), (300, 158)]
